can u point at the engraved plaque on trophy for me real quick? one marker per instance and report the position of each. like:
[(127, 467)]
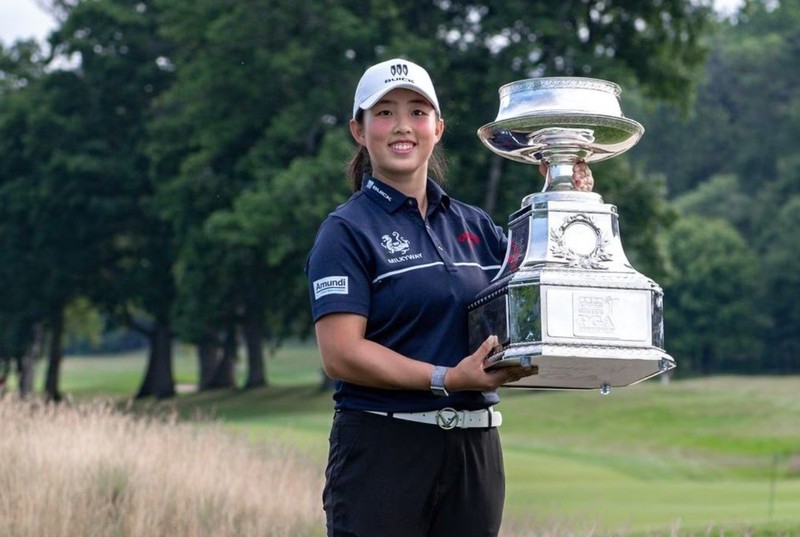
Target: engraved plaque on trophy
[(566, 301)]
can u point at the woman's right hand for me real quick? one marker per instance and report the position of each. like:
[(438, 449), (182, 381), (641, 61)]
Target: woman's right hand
[(471, 374)]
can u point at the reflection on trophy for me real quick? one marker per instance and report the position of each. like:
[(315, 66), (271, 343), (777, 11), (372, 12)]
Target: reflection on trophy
[(566, 301)]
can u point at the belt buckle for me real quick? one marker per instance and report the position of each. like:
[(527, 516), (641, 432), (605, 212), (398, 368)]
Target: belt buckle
[(447, 418)]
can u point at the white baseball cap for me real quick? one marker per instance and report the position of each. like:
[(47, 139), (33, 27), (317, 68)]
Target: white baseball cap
[(383, 77)]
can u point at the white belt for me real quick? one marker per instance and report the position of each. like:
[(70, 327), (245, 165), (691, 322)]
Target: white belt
[(450, 418)]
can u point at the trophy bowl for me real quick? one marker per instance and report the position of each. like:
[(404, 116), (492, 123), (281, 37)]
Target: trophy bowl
[(566, 301), (560, 120)]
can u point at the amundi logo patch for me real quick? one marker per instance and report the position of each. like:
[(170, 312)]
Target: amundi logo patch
[(332, 285)]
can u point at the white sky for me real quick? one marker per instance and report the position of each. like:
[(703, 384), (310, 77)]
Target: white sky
[(23, 19)]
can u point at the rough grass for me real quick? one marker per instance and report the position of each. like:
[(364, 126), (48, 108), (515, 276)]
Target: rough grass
[(90, 470)]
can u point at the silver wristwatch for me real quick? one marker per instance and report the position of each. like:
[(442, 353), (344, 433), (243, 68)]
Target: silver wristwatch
[(437, 381)]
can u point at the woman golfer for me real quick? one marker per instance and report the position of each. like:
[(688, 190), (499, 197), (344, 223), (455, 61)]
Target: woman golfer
[(414, 446)]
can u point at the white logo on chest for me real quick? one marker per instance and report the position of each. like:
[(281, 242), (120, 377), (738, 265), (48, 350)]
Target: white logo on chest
[(397, 246)]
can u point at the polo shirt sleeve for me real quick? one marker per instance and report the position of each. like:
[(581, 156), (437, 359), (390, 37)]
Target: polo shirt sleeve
[(502, 241), (338, 271)]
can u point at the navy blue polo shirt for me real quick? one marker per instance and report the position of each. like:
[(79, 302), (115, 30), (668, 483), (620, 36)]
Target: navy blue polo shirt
[(411, 278)]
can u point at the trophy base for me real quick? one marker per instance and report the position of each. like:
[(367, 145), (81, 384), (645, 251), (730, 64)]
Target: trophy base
[(573, 367), (570, 305)]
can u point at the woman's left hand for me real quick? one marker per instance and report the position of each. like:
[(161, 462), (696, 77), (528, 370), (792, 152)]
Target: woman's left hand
[(581, 176)]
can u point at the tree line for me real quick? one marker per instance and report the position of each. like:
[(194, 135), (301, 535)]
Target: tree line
[(732, 294), (166, 163)]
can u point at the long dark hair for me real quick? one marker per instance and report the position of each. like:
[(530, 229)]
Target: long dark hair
[(360, 163)]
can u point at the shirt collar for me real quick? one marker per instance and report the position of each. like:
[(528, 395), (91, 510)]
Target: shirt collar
[(391, 199), (437, 196)]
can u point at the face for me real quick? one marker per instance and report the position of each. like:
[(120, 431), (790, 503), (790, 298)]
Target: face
[(400, 132)]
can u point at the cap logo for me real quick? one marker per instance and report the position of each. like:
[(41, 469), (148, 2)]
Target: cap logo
[(385, 76), (399, 69)]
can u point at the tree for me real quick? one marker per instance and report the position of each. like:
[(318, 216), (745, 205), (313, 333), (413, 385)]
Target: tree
[(711, 306), (733, 156), (745, 116), (22, 307), (59, 202), (251, 97), (117, 49), (256, 227), (638, 44), (781, 287), (179, 122), (260, 97)]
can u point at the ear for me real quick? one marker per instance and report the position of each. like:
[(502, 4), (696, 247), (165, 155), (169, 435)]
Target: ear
[(357, 131), (439, 129)]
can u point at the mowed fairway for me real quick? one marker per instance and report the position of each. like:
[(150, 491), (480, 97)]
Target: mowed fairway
[(720, 452), (689, 457)]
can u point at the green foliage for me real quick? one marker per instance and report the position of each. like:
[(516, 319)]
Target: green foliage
[(782, 284), (745, 117), (712, 312), (643, 213), (19, 64), (275, 224), (83, 323), (721, 197), (733, 157), (178, 168), (76, 174)]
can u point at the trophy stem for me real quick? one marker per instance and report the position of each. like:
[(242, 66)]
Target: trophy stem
[(559, 175)]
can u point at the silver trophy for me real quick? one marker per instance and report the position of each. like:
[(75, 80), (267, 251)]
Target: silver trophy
[(566, 301)]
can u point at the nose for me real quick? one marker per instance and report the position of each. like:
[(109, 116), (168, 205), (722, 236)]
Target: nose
[(402, 124)]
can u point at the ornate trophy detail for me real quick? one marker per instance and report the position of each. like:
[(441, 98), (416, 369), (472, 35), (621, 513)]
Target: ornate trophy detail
[(566, 300)]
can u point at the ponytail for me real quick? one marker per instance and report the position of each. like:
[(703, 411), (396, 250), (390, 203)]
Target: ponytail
[(358, 166)]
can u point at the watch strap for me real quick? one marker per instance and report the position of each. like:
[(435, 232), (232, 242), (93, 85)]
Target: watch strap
[(437, 381)]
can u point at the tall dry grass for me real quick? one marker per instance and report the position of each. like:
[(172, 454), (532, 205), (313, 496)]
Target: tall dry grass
[(92, 471)]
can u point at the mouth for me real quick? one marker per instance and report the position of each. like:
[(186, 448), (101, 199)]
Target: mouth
[(402, 147)]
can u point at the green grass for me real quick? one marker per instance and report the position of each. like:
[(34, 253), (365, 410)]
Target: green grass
[(691, 454)]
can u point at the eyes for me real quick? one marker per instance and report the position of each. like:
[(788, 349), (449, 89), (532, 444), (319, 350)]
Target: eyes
[(388, 112)]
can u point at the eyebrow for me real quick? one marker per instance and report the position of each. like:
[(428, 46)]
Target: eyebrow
[(421, 100)]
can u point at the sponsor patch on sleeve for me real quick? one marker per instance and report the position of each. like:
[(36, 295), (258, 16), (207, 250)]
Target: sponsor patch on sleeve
[(332, 285)]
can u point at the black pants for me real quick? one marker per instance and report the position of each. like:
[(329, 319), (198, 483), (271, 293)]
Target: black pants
[(388, 477)]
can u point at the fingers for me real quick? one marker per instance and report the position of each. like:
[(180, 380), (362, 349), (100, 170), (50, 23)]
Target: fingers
[(474, 373), (513, 374), (543, 169), (488, 346), (582, 177)]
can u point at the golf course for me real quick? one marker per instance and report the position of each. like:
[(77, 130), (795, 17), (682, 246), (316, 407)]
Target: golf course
[(701, 456)]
